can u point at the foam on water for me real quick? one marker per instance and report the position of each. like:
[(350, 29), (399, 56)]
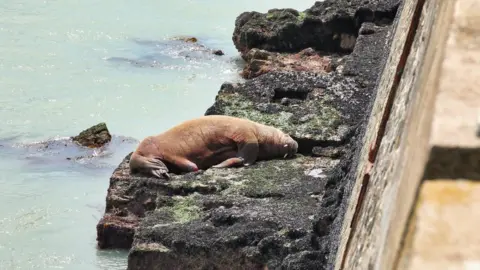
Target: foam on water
[(67, 65)]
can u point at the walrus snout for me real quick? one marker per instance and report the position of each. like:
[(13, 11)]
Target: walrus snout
[(291, 147)]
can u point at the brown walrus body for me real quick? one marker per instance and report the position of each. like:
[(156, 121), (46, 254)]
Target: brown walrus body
[(210, 141)]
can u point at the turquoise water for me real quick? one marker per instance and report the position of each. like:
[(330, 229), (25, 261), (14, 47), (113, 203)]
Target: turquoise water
[(63, 69)]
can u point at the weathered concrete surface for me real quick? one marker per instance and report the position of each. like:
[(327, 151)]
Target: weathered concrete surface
[(457, 106), (443, 232), (396, 140), (280, 214)]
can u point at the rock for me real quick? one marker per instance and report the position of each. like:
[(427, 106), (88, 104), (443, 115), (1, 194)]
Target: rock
[(330, 26), (321, 108), (276, 214), (168, 54), (260, 62), (218, 52), (219, 213), (331, 152), (94, 137), (186, 39)]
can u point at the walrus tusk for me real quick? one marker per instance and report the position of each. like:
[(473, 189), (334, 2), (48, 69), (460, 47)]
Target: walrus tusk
[(285, 155), (286, 145)]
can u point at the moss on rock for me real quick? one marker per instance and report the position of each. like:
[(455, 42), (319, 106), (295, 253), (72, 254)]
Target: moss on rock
[(314, 118), (93, 137), (185, 209)]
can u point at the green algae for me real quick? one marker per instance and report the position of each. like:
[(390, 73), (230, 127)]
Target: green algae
[(301, 16), (271, 15), (285, 15), (183, 209), (314, 120), (267, 180)]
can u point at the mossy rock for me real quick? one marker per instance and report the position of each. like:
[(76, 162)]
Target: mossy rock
[(307, 106), (93, 137)]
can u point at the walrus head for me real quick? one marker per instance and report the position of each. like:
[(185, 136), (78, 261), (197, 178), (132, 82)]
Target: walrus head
[(290, 147)]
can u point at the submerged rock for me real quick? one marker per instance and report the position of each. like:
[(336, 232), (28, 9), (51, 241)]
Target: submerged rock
[(186, 39), (61, 153), (169, 53), (94, 137), (218, 52)]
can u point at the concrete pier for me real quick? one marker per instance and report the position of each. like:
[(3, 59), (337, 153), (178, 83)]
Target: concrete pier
[(415, 201)]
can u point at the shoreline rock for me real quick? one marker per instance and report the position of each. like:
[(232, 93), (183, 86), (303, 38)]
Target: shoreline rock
[(280, 214), (94, 137), (330, 26)]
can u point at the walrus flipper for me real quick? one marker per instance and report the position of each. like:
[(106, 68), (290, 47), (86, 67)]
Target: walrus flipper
[(248, 152), (152, 166), (247, 155), (229, 163), (184, 164)]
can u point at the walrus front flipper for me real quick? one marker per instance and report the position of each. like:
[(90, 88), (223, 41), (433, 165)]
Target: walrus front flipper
[(150, 166), (247, 155), (160, 174), (248, 152)]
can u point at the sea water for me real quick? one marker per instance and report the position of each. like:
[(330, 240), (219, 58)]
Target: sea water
[(66, 65)]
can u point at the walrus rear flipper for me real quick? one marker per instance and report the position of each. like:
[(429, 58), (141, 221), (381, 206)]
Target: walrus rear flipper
[(150, 166)]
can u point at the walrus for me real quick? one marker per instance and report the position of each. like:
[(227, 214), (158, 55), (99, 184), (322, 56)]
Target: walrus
[(213, 141)]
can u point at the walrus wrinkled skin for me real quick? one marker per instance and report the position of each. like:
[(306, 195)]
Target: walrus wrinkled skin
[(216, 141)]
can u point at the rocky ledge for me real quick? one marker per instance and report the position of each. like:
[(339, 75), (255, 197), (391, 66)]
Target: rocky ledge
[(277, 214)]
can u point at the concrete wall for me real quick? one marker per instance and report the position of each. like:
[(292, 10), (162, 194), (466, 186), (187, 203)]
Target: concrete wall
[(442, 233), (396, 144)]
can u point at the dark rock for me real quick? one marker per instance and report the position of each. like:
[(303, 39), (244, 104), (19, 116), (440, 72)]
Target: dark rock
[(329, 151), (256, 215), (218, 52), (329, 25), (94, 137), (364, 64), (322, 108)]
